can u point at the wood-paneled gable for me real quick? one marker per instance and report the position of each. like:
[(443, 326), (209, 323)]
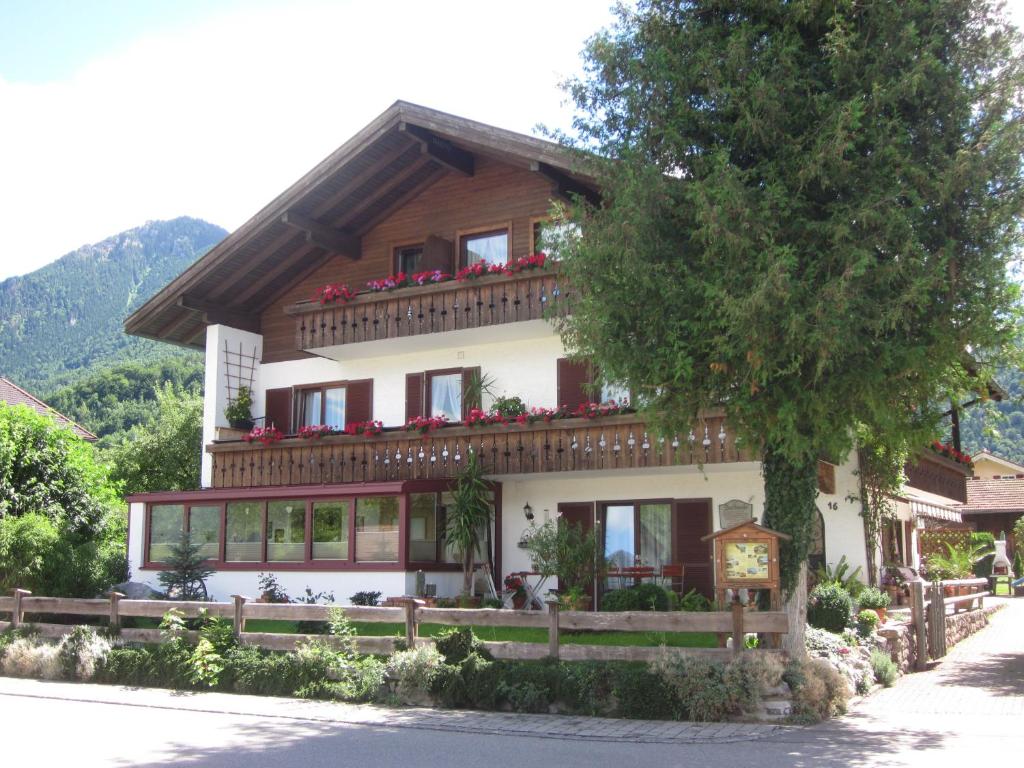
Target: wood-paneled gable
[(497, 193)]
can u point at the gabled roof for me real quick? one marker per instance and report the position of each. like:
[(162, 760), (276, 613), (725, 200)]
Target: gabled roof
[(390, 161), (12, 394), (1010, 466), (994, 496)]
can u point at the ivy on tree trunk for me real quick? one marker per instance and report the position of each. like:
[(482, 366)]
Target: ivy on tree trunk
[(790, 493)]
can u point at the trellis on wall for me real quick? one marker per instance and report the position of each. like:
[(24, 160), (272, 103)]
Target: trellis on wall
[(239, 369)]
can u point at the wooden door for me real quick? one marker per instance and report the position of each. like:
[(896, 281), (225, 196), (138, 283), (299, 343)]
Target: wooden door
[(691, 521), (581, 514)]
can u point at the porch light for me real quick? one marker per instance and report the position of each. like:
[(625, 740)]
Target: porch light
[(528, 512)]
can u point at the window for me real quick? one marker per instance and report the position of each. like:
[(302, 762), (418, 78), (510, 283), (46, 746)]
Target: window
[(638, 534), (204, 529), (446, 395), (330, 530), (243, 542), (486, 247), (614, 392), (286, 530), (408, 258), (165, 527), (323, 405), (426, 529), (553, 237), (377, 529)]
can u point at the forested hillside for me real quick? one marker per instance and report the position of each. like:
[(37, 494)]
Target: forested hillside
[(63, 321), (999, 427)]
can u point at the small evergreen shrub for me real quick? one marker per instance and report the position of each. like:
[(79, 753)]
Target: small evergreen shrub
[(365, 598), (867, 623), (884, 668), (457, 643), (694, 601), (874, 598), (829, 607)]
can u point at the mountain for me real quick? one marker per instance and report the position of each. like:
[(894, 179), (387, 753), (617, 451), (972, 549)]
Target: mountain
[(999, 427), (63, 321)]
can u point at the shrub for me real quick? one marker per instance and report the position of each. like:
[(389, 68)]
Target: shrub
[(829, 607), (819, 691), (271, 590), (524, 696), (694, 601), (709, 691), (80, 652), (983, 567), (365, 598), (413, 670), (26, 657), (867, 623), (639, 692), (884, 668), (642, 597), (841, 575), (873, 597), (457, 643)]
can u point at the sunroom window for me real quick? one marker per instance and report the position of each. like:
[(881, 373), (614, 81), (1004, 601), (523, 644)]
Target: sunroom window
[(330, 530), (204, 530), (377, 529), (286, 530), (165, 526), (244, 543)]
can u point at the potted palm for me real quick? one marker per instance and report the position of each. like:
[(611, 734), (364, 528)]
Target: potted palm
[(239, 410), (469, 519)]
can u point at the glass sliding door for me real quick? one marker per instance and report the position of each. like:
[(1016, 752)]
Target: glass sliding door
[(655, 528), (620, 536)]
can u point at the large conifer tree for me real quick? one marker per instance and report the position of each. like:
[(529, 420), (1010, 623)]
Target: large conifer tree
[(810, 210)]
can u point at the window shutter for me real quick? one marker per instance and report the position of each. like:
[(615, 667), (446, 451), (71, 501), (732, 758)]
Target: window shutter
[(573, 379), (278, 409), (359, 401), (437, 254), (469, 375), (413, 395)]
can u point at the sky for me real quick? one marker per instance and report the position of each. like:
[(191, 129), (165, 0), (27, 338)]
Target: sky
[(116, 112), (113, 113)]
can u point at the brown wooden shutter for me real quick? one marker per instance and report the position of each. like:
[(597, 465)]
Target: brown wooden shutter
[(691, 522), (437, 254), (413, 395), (468, 403), (278, 409), (573, 379), (359, 401)]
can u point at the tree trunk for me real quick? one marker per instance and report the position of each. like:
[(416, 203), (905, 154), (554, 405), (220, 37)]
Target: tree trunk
[(796, 614)]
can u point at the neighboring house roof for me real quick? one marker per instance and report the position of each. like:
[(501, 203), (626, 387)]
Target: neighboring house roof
[(12, 394), (1003, 495), (1007, 466), (325, 213)]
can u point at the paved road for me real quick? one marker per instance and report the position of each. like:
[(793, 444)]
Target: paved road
[(965, 712)]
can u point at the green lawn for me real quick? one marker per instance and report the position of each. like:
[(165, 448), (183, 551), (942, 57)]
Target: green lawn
[(513, 634)]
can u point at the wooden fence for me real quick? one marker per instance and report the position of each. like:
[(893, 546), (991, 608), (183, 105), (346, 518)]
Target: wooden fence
[(735, 623), (929, 606)]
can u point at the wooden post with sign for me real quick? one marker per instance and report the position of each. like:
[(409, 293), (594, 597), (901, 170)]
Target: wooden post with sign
[(747, 557)]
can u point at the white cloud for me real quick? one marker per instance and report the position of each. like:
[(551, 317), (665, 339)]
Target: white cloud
[(215, 120)]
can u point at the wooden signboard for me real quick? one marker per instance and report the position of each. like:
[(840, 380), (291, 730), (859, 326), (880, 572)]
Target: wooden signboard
[(747, 557)]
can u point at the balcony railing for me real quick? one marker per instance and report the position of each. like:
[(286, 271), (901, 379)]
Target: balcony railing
[(614, 442), (451, 306)]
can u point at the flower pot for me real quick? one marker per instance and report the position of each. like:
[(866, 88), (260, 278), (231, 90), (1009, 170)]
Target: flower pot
[(881, 614), (245, 424), (519, 601)]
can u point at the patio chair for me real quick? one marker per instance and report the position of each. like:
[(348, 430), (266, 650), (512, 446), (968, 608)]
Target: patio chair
[(672, 577)]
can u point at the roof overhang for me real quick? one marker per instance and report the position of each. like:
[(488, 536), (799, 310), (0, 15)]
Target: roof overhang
[(393, 159)]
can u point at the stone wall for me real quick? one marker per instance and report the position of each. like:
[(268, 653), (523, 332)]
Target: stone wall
[(901, 642)]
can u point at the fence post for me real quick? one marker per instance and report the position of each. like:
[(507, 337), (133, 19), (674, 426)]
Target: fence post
[(553, 628), (239, 618), (738, 644), (18, 613), (410, 623), (920, 630), (115, 611)]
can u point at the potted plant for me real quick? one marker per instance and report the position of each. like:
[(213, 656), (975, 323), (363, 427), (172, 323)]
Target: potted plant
[(239, 410), (469, 518), (571, 554), (514, 584), (872, 598)]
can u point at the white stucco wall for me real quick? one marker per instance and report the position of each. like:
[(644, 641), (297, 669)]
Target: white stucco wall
[(526, 368), (216, 387)]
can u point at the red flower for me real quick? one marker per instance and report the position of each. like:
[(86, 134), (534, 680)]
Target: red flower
[(265, 435)]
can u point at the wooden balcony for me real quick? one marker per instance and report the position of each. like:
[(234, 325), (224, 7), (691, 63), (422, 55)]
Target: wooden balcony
[(928, 471), (452, 306), (569, 445)]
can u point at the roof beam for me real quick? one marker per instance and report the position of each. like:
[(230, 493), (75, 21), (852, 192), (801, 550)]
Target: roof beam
[(320, 234), (565, 185), (441, 150), (357, 181), (215, 313), (281, 268)]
